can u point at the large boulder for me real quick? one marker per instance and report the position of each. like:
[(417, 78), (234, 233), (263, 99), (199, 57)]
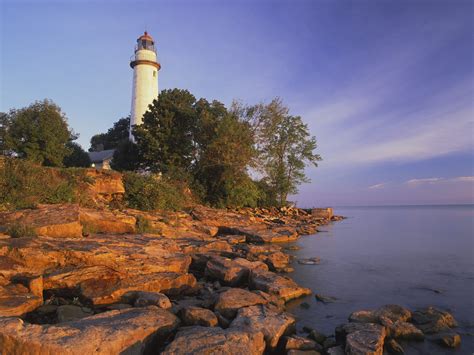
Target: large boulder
[(230, 301), (129, 331), (16, 300), (231, 272), (364, 339), (259, 318), (282, 286), (215, 340)]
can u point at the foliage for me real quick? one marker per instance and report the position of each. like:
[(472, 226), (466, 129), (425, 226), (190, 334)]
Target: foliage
[(284, 147), (166, 137), (114, 136), (152, 192), (77, 157), (4, 125), (39, 133), (18, 230), (126, 157), (144, 225), (24, 184)]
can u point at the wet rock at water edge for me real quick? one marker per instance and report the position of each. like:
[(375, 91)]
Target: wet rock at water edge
[(393, 347), (432, 320), (325, 299), (317, 336), (301, 343), (448, 339), (310, 261)]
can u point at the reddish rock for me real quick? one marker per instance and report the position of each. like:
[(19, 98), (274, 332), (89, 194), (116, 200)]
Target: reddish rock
[(198, 316), (259, 318), (393, 312), (16, 300), (367, 339), (432, 320), (282, 286), (214, 340), (128, 331), (231, 272), (300, 343), (230, 301)]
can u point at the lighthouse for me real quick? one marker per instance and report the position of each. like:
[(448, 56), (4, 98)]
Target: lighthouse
[(145, 78)]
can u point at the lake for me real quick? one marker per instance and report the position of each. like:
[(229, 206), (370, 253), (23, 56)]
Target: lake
[(414, 256)]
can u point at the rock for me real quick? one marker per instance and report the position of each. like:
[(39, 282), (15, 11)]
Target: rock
[(230, 301), (393, 347), (403, 330), (300, 343), (449, 339), (231, 272), (205, 340), (16, 300), (393, 312), (366, 340), (223, 321), (336, 350), (329, 343), (325, 299), (144, 299), (110, 291), (363, 317), (317, 336), (198, 316), (105, 221), (259, 318), (432, 320), (276, 261), (305, 305), (303, 352), (129, 331), (272, 283), (310, 261), (325, 213), (68, 313)]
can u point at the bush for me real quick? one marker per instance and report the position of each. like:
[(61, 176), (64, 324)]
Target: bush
[(21, 230), (24, 184), (153, 192)]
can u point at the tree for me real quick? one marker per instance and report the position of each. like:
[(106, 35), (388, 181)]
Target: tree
[(114, 136), (78, 157), (126, 157), (226, 153), (4, 140), (284, 147), (40, 133), (166, 139)]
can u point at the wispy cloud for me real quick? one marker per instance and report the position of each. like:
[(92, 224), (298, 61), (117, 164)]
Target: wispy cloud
[(377, 186), (438, 180)]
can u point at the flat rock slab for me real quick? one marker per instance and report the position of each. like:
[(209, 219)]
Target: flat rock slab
[(259, 318), (231, 272), (205, 340), (282, 286), (230, 301), (16, 300), (362, 338), (127, 332)]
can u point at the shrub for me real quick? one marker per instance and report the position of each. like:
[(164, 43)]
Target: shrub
[(153, 192), (19, 230)]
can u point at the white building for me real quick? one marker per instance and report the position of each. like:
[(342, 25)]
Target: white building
[(145, 78)]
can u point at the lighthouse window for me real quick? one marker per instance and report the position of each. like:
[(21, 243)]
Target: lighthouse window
[(154, 73)]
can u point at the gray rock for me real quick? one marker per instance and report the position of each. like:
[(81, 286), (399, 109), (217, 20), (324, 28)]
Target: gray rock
[(69, 313), (432, 320)]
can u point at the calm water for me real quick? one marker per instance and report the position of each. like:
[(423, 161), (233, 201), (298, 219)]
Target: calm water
[(399, 255)]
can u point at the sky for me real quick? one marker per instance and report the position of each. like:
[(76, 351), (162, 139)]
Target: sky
[(387, 87)]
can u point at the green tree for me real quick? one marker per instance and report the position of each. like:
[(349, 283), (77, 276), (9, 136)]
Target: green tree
[(166, 139), (77, 157), (126, 157), (285, 147), (4, 140), (226, 153), (40, 133), (114, 136)]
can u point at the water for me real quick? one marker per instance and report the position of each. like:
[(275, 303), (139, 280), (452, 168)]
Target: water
[(414, 256)]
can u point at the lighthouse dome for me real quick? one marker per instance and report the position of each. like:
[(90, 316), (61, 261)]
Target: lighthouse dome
[(145, 41)]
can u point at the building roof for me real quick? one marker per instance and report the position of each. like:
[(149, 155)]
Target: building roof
[(98, 157)]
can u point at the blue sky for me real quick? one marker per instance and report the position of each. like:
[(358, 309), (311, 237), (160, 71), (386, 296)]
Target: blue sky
[(385, 86)]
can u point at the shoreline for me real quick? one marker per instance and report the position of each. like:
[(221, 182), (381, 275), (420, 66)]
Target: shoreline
[(197, 279)]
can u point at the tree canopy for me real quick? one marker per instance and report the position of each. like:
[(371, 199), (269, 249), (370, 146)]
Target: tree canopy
[(39, 133), (113, 137)]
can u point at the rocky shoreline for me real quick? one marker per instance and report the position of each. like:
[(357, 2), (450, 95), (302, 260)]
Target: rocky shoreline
[(77, 280)]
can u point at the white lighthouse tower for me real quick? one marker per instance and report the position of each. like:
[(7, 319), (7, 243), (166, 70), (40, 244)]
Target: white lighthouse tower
[(145, 78)]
